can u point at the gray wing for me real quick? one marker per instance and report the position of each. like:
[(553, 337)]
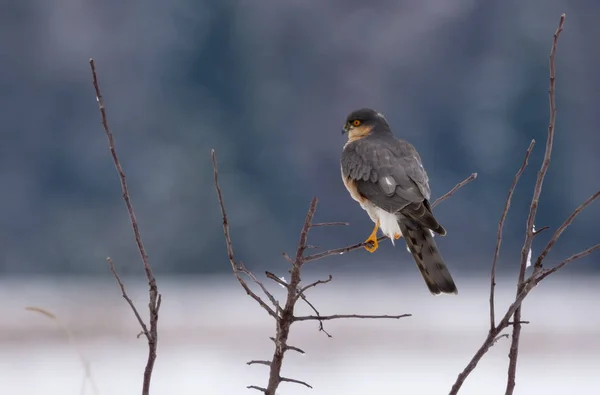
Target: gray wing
[(389, 173)]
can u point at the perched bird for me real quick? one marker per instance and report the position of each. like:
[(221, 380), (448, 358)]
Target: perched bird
[(385, 175)]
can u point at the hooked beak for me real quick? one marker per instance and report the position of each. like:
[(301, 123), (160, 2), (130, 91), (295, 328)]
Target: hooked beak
[(345, 129)]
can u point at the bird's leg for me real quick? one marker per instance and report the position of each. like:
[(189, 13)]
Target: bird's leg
[(371, 242), (397, 235)]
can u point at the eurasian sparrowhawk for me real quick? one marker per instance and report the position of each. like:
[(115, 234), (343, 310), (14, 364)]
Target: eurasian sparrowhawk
[(385, 175)]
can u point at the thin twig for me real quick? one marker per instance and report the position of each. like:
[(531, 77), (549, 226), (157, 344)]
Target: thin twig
[(570, 259), (276, 279), (503, 336), (312, 306), (111, 144), (289, 380), (288, 347), (489, 341), (500, 228), (154, 296), (540, 230), (312, 285), (303, 239), (234, 265), (256, 387), (522, 322), (268, 294), (111, 265), (258, 362), (287, 257), (338, 251), (561, 229), (298, 350), (514, 346), (453, 190), (319, 224), (342, 316)]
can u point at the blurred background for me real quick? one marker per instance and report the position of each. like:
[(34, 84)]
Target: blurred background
[(268, 85)]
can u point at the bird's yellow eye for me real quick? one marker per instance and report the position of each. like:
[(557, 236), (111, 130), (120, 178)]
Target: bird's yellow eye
[(356, 122)]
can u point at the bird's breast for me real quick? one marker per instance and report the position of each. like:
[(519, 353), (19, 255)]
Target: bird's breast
[(350, 185)]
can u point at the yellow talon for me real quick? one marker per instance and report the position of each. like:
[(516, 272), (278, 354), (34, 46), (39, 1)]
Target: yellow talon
[(372, 243), (397, 236)]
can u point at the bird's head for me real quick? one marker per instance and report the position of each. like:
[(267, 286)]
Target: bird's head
[(363, 122)]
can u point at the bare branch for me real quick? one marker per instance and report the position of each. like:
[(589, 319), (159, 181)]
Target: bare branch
[(255, 387), (540, 230), (111, 144), (342, 316), (258, 362), (285, 317), (127, 298), (318, 282), (318, 224), (453, 190), (547, 155), (514, 346), (500, 228), (277, 279), (234, 265), (289, 380), (321, 327), (524, 287), (338, 251), (154, 297), (487, 344), (491, 339), (269, 295), (298, 350), (287, 257), (570, 259), (288, 347), (561, 229), (304, 238)]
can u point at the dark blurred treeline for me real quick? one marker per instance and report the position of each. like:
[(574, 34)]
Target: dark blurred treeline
[(268, 85)]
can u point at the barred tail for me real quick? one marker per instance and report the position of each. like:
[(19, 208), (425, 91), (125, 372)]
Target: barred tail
[(427, 257)]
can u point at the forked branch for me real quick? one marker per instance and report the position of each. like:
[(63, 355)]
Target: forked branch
[(284, 316), (500, 229), (526, 250), (526, 285)]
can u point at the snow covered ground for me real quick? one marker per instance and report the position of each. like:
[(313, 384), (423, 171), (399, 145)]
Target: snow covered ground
[(209, 329)]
